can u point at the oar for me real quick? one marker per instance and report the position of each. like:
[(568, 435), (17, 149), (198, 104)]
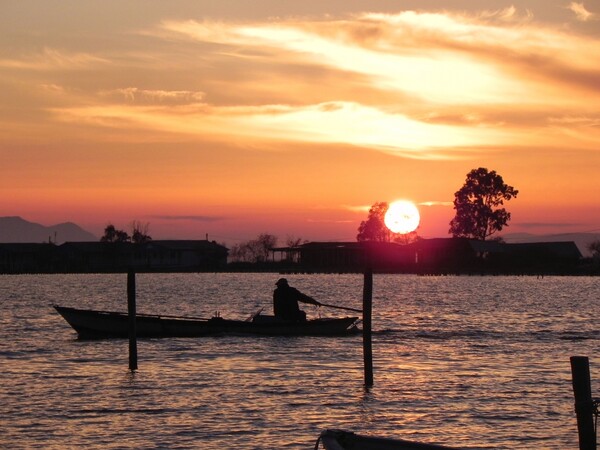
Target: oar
[(342, 307)]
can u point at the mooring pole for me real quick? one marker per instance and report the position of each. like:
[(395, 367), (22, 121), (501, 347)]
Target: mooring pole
[(367, 344), (133, 365), (584, 405)]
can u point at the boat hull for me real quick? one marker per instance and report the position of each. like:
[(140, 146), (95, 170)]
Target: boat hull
[(91, 324), (346, 440)]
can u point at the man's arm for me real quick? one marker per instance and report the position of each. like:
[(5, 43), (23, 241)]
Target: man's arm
[(307, 299)]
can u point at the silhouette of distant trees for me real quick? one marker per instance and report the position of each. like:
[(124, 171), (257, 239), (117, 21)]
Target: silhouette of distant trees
[(258, 250), (478, 205), (255, 250), (594, 247), (139, 234), (374, 228), (405, 238), (111, 234), (292, 241)]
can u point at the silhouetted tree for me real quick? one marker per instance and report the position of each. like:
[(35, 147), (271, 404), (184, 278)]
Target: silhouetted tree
[(594, 247), (111, 234), (255, 250), (261, 247), (139, 233), (405, 238), (374, 228), (293, 242), (478, 205), (237, 253)]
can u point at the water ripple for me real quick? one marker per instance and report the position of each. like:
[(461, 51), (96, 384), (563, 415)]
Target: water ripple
[(478, 362)]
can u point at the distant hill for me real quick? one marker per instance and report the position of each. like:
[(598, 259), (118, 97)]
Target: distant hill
[(582, 240), (17, 229)]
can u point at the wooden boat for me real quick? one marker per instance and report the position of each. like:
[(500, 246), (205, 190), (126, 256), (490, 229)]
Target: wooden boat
[(346, 440), (108, 324)]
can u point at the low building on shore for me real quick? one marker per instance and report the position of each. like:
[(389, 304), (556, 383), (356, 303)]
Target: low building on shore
[(433, 256), (107, 257), (424, 256)]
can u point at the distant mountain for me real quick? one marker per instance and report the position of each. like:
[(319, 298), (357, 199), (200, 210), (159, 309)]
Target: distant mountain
[(16, 229), (582, 240)]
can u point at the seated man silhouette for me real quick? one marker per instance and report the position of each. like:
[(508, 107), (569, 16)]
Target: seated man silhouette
[(285, 302)]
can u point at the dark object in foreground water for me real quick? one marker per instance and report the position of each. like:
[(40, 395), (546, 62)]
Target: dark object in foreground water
[(132, 314), (584, 403), (346, 440), (91, 324)]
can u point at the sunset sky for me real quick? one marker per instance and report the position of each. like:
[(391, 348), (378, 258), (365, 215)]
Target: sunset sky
[(233, 118)]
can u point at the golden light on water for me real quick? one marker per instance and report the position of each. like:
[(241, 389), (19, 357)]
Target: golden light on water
[(402, 217)]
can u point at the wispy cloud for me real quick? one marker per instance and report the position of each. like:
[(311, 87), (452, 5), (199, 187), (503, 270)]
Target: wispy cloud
[(376, 45), (133, 94), (330, 221), (325, 123), (509, 14), (357, 208), (192, 218), (54, 59), (365, 208), (581, 12), (435, 203), (535, 225)]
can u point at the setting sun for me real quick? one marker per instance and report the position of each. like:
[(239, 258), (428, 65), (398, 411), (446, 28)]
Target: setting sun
[(402, 217)]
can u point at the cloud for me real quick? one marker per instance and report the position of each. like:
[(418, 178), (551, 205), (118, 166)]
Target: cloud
[(133, 94), (581, 12), (528, 225), (366, 208), (191, 218), (53, 59), (379, 46), (440, 58), (357, 208), (329, 221), (321, 123), (53, 88), (412, 84), (436, 203)]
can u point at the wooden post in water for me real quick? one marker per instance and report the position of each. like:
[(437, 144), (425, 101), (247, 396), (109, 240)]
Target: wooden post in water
[(367, 344), (584, 406), (133, 365)]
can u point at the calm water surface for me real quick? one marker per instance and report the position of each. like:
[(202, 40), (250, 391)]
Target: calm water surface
[(478, 362)]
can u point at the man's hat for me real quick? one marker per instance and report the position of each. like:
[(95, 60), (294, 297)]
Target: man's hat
[(281, 281)]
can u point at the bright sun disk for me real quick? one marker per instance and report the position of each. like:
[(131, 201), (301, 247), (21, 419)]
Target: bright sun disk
[(402, 217)]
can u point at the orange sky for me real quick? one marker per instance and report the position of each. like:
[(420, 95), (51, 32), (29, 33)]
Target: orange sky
[(235, 118)]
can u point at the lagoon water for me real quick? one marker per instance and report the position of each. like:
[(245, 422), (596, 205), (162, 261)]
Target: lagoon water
[(477, 362)]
